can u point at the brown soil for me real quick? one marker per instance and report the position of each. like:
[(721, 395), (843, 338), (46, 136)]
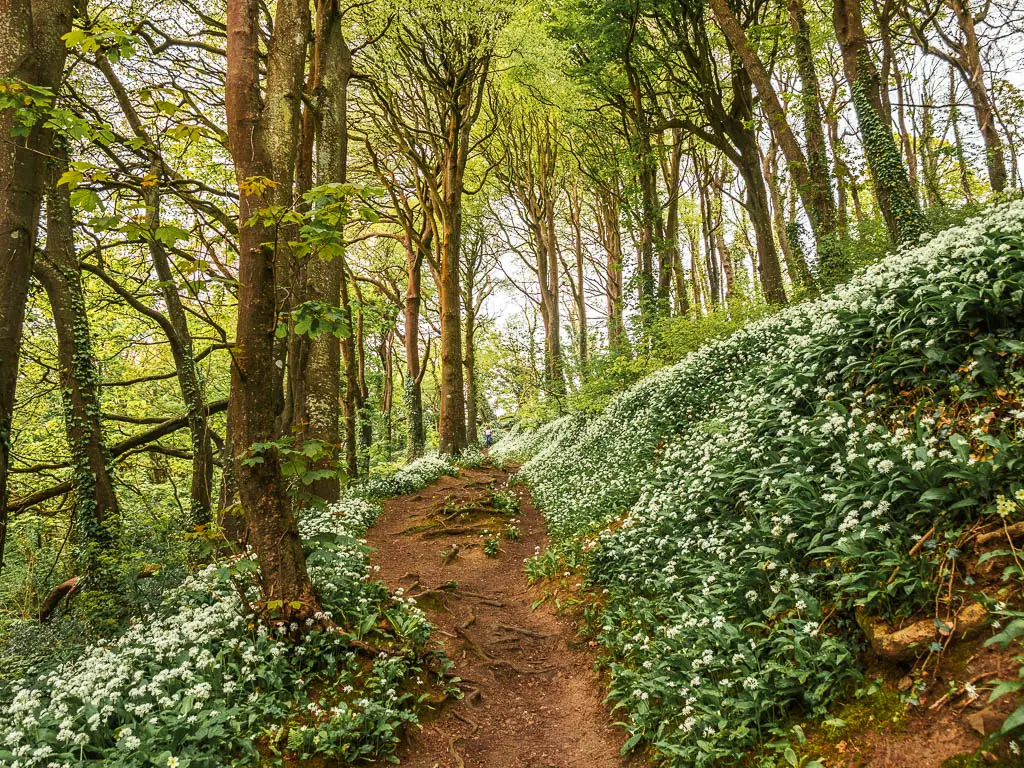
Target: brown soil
[(531, 696), (881, 733)]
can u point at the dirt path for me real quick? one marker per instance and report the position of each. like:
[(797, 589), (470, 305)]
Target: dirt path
[(532, 699)]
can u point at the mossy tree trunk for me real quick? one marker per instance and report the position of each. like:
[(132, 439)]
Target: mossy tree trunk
[(96, 507), (262, 100), (893, 193)]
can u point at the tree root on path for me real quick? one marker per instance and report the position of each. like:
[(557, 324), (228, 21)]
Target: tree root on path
[(525, 632), (470, 693), (471, 644), (455, 752), (471, 723), (482, 598)]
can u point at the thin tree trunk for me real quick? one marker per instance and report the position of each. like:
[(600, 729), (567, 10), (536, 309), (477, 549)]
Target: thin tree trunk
[(893, 192), (470, 363), (96, 507), (363, 392), (579, 295), (958, 147), (606, 209), (416, 439)]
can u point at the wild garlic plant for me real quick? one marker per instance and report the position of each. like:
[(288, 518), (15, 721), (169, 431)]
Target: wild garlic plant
[(735, 509), (202, 682)]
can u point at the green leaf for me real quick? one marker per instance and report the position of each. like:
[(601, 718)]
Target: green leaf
[(71, 178)]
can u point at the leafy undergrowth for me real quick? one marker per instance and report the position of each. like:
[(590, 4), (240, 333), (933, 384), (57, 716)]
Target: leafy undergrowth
[(203, 683), (732, 511)]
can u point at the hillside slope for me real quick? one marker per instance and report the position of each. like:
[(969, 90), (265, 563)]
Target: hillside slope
[(735, 509)]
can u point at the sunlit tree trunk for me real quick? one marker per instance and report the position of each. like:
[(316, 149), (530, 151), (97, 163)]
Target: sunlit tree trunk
[(262, 130)]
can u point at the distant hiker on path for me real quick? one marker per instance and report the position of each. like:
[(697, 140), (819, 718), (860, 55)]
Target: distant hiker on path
[(488, 440)]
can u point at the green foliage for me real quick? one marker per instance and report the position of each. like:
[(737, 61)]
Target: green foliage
[(734, 509), (200, 681), (492, 546)]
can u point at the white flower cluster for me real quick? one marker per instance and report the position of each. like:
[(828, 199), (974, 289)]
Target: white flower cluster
[(408, 479), (785, 468), (189, 676)]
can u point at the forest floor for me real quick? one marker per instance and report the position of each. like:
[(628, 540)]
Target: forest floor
[(531, 697)]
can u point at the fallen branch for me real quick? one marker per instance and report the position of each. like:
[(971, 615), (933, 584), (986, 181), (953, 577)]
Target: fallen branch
[(57, 594)]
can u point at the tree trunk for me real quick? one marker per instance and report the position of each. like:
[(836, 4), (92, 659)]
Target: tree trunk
[(31, 50), (815, 191), (760, 219), (416, 439), (695, 278), (958, 146), (673, 267), (452, 422), (362, 391), (261, 135), (893, 192), (317, 410), (96, 507), (350, 399), (190, 379), (606, 210), (580, 294), (647, 170), (470, 363)]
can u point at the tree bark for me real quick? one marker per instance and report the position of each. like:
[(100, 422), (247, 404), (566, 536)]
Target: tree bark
[(579, 294), (416, 438), (31, 50), (469, 361), (96, 507), (893, 193), (321, 385), (606, 209), (262, 130)]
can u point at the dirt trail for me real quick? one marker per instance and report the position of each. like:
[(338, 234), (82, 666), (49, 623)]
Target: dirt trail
[(532, 699)]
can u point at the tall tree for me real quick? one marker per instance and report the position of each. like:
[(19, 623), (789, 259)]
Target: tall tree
[(262, 99), (477, 264), (530, 169), (32, 54), (429, 87), (893, 193), (57, 267)]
